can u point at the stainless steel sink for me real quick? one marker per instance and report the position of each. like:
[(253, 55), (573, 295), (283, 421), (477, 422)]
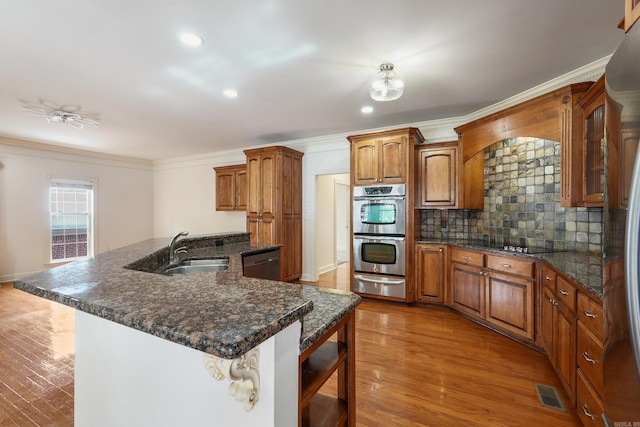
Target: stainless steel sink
[(191, 266)]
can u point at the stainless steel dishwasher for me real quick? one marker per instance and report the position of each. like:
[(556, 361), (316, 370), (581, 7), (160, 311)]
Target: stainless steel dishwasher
[(262, 265)]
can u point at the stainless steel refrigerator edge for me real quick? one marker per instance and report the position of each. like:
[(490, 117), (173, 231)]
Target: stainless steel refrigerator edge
[(621, 387)]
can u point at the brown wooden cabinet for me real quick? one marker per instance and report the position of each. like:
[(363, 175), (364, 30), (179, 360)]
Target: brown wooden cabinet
[(382, 157), (559, 327), (496, 289), (430, 273), (590, 359), (631, 13), (274, 204), (592, 150), (231, 188), (437, 175), (467, 282)]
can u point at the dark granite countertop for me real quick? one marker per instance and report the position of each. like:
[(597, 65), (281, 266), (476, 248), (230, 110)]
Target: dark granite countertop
[(585, 269), (222, 313)]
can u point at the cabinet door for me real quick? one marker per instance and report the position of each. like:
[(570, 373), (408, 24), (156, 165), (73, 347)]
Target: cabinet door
[(254, 192), (438, 177), (594, 157), (430, 273), (467, 289), (631, 13), (268, 165), (365, 162), (240, 186), (392, 160), (565, 348), (225, 190), (509, 304), (548, 325)]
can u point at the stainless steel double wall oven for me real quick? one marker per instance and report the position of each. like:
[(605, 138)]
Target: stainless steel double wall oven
[(379, 240)]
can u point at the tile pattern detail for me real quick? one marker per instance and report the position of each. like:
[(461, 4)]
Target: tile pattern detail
[(522, 204)]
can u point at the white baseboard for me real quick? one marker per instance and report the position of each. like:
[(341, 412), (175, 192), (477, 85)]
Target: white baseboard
[(327, 268)]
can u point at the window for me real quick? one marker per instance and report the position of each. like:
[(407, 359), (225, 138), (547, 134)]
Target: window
[(71, 211)]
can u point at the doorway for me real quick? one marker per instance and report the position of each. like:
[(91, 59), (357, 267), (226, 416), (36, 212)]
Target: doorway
[(333, 210)]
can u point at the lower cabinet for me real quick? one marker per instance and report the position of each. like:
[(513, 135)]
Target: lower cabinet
[(590, 355), (496, 289), (509, 304), (430, 273), (467, 289), (559, 332)]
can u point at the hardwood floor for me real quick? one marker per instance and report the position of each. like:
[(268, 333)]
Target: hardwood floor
[(416, 366), (36, 360)]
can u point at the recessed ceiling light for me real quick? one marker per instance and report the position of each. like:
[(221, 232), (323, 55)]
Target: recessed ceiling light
[(191, 39), (230, 93), (367, 110)]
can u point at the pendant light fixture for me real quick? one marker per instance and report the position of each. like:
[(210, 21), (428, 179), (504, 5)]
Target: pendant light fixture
[(387, 85)]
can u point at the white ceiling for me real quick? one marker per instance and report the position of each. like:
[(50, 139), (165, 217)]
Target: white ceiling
[(301, 67)]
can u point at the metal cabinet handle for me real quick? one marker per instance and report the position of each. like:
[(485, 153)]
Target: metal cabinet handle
[(466, 258), (440, 250), (547, 278), (563, 292), (586, 357), (590, 315), (585, 409), (481, 273), (507, 265)]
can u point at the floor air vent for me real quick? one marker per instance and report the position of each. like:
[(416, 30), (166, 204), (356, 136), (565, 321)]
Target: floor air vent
[(549, 397)]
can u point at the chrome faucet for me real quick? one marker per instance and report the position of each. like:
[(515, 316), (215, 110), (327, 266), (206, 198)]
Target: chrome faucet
[(173, 253)]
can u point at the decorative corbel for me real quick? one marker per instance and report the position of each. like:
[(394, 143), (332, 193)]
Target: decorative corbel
[(243, 372)]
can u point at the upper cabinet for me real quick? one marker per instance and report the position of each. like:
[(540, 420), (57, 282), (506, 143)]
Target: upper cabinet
[(631, 13), (231, 188), (437, 175), (593, 107), (382, 157)]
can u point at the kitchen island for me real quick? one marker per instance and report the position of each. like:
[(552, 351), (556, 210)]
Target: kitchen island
[(148, 344)]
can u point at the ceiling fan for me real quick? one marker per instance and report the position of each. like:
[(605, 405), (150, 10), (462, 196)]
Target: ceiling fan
[(71, 115)]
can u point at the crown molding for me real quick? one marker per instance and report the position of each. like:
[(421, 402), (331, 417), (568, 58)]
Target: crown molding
[(48, 151), (433, 130)]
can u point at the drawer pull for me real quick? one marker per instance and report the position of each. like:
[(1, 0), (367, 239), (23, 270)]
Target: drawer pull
[(440, 250), (590, 315), (587, 358), (585, 409), (466, 258), (507, 265), (547, 278), (563, 292)]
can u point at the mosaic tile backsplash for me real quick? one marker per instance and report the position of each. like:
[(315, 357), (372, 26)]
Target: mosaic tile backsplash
[(521, 204)]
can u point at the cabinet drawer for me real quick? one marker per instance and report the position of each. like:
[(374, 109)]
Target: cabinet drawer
[(588, 405), (468, 257), (511, 265), (589, 354), (566, 292), (549, 278), (590, 314)]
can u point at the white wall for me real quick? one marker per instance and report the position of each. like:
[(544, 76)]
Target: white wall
[(124, 201), (184, 197), (333, 161)]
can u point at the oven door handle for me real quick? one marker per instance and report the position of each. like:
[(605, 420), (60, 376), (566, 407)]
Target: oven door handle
[(378, 199), (384, 280), (378, 237)]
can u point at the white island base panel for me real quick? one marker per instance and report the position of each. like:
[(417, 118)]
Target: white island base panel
[(125, 377)]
